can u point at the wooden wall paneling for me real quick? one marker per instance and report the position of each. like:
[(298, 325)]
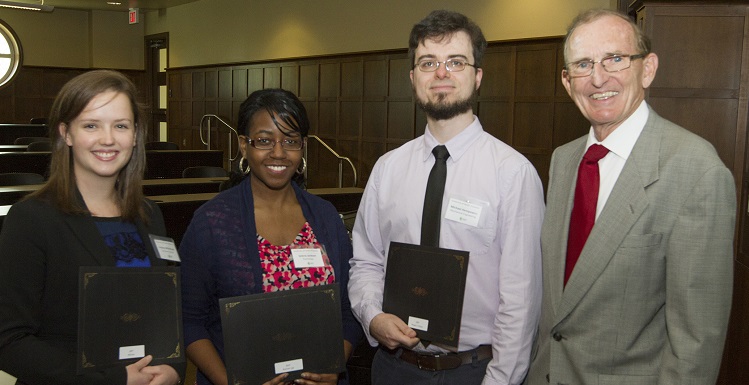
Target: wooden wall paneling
[(497, 82), (350, 120), (399, 81), (535, 71), (707, 35), (211, 84), (420, 121), (309, 83), (198, 110), (400, 121), (374, 122), (239, 83), (496, 118), (309, 75), (198, 85), (324, 171), (327, 119), (350, 149), (30, 83), (254, 79), (706, 118), (569, 123), (290, 78), (497, 92), (330, 81), (733, 368), (224, 84), (533, 126), (7, 104), (186, 86), (375, 78), (272, 77), (703, 84), (362, 104)]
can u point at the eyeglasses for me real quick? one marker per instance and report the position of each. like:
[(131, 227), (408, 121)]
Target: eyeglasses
[(452, 65), (613, 63), (288, 144)]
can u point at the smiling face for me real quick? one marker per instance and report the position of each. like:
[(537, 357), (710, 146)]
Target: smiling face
[(607, 99), (274, 168), (444, 94), (101, 137)]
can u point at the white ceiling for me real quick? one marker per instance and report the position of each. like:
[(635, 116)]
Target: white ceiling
[(102, 4)]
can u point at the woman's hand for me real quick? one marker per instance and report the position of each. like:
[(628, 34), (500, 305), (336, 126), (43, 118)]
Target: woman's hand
[(162, 375), (278, 380), (317, 379)]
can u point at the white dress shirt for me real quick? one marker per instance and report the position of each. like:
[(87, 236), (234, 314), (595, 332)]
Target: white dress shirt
[(620, 143), (503, 289)]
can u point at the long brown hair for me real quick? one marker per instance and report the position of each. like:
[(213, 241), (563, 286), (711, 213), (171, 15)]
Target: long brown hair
[(74, 96)]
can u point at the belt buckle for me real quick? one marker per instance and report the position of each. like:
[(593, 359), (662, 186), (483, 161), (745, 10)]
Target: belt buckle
[(418, 364)]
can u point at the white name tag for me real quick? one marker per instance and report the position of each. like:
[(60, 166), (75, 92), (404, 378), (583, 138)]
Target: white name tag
[(464, 212), (307, 257), (289, 366), (165, 248), (136, 351), (418, 323)]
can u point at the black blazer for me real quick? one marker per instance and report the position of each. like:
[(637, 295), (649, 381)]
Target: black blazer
[(41, 250)]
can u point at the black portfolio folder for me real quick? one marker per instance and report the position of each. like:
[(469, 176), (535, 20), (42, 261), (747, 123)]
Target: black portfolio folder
[(424, 286), (125, 314), (291, 331)]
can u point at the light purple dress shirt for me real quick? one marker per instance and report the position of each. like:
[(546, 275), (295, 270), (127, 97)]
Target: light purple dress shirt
[(503, 289)]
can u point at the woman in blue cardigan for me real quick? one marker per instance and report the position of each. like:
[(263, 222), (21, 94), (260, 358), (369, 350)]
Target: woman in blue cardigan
[(240, 242)]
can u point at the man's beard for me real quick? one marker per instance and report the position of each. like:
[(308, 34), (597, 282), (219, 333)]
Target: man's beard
[(442, 110)]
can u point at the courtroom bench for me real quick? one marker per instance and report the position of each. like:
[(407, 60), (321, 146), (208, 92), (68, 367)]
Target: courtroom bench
[(12, 194), (160, 164), (178, 209)]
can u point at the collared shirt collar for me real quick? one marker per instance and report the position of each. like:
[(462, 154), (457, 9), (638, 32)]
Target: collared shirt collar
[(458, 145), (622, 140)]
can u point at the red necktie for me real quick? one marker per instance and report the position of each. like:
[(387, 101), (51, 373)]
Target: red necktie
[(584, 209)]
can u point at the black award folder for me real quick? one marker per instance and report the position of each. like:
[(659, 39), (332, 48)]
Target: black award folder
[(125, 314), (424, 286), (291, 331)]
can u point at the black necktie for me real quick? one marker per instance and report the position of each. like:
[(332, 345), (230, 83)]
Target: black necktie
[(430, 218)]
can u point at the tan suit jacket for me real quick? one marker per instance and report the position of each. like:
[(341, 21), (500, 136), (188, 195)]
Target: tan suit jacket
[(649, 299)]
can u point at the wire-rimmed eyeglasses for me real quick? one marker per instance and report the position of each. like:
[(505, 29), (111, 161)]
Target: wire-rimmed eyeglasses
[(289, 144), (613, 63), (452, 65)]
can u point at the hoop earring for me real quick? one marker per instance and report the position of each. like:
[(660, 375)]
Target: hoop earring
[(304, 167), (242, 169)]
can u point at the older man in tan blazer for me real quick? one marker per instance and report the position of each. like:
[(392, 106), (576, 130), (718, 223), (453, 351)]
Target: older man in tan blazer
[(647, 301)]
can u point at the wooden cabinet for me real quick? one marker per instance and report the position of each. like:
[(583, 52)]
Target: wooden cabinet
[(702, 84)]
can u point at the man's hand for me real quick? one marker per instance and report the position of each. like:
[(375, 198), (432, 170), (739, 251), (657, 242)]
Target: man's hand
[(392, 332)]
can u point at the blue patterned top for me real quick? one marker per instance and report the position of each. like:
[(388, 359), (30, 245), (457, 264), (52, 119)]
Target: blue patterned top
[(123, 240)]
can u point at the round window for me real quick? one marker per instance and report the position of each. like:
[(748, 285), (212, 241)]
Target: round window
[(10, 54)]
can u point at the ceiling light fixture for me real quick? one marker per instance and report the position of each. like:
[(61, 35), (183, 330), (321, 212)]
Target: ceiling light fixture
[(26, 6)]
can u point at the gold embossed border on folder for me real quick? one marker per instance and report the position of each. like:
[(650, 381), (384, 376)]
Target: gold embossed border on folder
[(425, 286), (302, 325), (131, 308)]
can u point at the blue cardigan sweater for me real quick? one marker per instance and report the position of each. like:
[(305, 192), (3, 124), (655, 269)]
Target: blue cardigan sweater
[(220, 259)]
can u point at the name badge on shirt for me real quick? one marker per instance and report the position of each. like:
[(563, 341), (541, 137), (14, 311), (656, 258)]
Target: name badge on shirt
[(463, 211), (306, 257), (165, 248)]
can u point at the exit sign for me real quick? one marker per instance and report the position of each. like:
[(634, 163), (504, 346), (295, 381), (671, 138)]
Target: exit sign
[(133, 16)]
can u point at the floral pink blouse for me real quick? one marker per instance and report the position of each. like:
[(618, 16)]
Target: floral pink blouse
[(279, 272)]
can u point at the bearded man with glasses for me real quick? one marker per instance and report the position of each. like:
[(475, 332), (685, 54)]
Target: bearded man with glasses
[(495, 185), (637, 239)]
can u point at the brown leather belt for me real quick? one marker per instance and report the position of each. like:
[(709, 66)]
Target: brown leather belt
[(444, 361)]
